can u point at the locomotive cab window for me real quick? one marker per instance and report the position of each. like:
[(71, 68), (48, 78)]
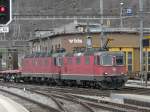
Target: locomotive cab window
[(119, 60), (107, 60), (59, 61)]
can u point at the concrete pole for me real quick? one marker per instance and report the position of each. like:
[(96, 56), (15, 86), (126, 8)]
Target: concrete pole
[(141, 38), (101, 22), (146, 66), (121, 13)]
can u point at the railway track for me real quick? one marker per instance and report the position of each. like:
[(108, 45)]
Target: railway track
[(83, 105), (68, 102), (41, 107), (30, 105), (63, 105), (66, 97), (95, 105), (84, 91), (134, 90), (93, 92)]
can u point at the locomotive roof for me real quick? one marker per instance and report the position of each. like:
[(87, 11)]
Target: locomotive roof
[(87, 53), (109, 52)]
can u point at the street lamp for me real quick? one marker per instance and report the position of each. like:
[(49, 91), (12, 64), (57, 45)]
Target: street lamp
[(121, 12)]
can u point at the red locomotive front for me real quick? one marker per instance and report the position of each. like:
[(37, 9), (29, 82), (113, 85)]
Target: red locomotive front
[(110, 69), (102, 69)]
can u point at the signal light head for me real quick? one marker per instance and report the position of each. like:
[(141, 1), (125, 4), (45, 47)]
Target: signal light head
[(2, 9), (5, 12)]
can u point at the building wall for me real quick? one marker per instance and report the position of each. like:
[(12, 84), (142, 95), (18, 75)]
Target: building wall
[(71, 41), (126, 42), (136, 60), (146, 58), (129, 57)]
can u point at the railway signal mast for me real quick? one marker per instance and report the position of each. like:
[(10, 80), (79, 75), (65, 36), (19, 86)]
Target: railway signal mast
[(101, 22)]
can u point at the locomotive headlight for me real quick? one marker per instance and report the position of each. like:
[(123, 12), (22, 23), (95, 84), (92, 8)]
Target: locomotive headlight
[(105, 73), (122, 73)]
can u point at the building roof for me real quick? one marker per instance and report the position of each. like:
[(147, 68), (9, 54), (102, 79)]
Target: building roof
[(75, 27), (68, 28), (94, 28)]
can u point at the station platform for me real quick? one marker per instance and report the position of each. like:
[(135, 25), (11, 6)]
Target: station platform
[(139, 100), (8, 105), (138, 84), (133, 99)]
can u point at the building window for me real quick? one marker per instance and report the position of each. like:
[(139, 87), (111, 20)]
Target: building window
[(148, 60), (129, 57), (144, 57), (148, 54), (130, 61), (130, 68), (144, 60), (125, 57)]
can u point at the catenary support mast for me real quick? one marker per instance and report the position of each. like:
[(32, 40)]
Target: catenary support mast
[(141, 37), (101, 22)]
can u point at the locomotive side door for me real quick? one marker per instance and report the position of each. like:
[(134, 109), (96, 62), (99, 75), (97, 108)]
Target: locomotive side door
[(59, 63), (96, 64)]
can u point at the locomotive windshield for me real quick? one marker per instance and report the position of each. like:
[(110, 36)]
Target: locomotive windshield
[(107, 60), (112, 59)]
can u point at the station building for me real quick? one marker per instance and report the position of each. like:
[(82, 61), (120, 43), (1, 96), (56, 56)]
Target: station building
[(77, 35)]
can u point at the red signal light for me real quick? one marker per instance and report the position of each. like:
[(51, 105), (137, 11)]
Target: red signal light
[(2, 9)]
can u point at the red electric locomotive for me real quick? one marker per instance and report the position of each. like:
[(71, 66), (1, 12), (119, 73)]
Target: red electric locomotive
[(98, 69)]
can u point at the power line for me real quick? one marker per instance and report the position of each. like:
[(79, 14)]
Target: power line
[(35, 17)]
